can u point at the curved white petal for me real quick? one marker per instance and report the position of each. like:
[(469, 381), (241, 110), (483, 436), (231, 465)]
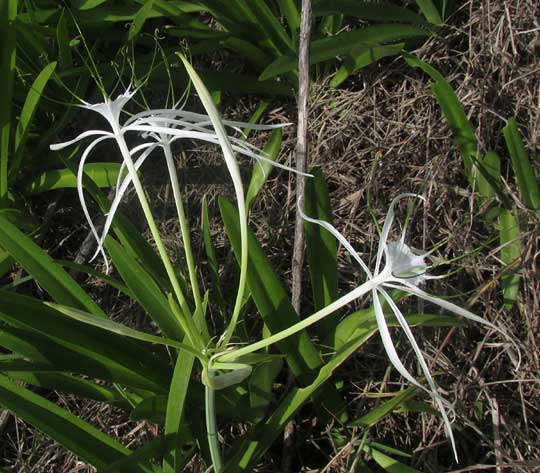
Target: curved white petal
[(120, 191), (86, 134), (80, 175), (389, 344), (434, 392), (339, 237), (199, 118), (456, 310)]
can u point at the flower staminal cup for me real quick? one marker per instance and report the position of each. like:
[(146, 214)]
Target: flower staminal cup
[(404, 269)]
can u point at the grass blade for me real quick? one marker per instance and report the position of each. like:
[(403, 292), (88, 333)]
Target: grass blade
[(342, 43), (27, 114), (321, 248), (73, 433), (175, 409), (119, 355), (429, 10), (389, 464), (455, 115), (262, 169), (145, 289), (528, 187), (103, 174), (8, 12), (378, 413), (509, 237), (47, 272)]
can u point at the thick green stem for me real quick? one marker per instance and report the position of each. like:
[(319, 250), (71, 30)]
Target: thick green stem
[(211, 428), (193, 334), (184, 229), (234, 171), (321, 314)]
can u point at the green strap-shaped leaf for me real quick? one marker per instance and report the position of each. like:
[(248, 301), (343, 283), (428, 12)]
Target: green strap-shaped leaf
[(269, 23), (139, 19), (145, 289), (251, 52), (362, 57), (389, 464), (51, 356), (290, 11), (262, 169), (528, 187), (47, 272), (429, 10), (175, 410), (217, 289), (489, 175), (321, 248), (65, 58), (76, 435), (385, 12), (27, 114), (342, 43), (103, 174), (379, 412), (509, 236), (276, 310), (119, 329), (63, 382), (270, 297), (119, 355), (453, 111), (8, 12)]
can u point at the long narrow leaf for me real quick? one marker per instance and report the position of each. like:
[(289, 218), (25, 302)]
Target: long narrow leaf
[(44, 269), (528, 187), (429, 10), (453, 111), (175, 409), (8, 12), (121, 355), (27, 115), (509, 236), (343, 43), (145, 289), (103, 174), (385, 12), (81, 438), (321, 247)]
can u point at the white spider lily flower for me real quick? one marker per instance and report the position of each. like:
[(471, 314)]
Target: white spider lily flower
[(404, 269), (163, 127)]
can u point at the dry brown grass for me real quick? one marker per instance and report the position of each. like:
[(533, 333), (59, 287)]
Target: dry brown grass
[(380, 134)]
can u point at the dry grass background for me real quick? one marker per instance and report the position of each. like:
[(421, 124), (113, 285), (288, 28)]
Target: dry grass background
[(379, 134)]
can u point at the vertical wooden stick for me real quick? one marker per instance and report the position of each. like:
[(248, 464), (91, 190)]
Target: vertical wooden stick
[(301, 149), (301, 165)]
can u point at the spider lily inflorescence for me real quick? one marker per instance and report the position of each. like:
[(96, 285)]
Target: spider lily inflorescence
[(397, 266)]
